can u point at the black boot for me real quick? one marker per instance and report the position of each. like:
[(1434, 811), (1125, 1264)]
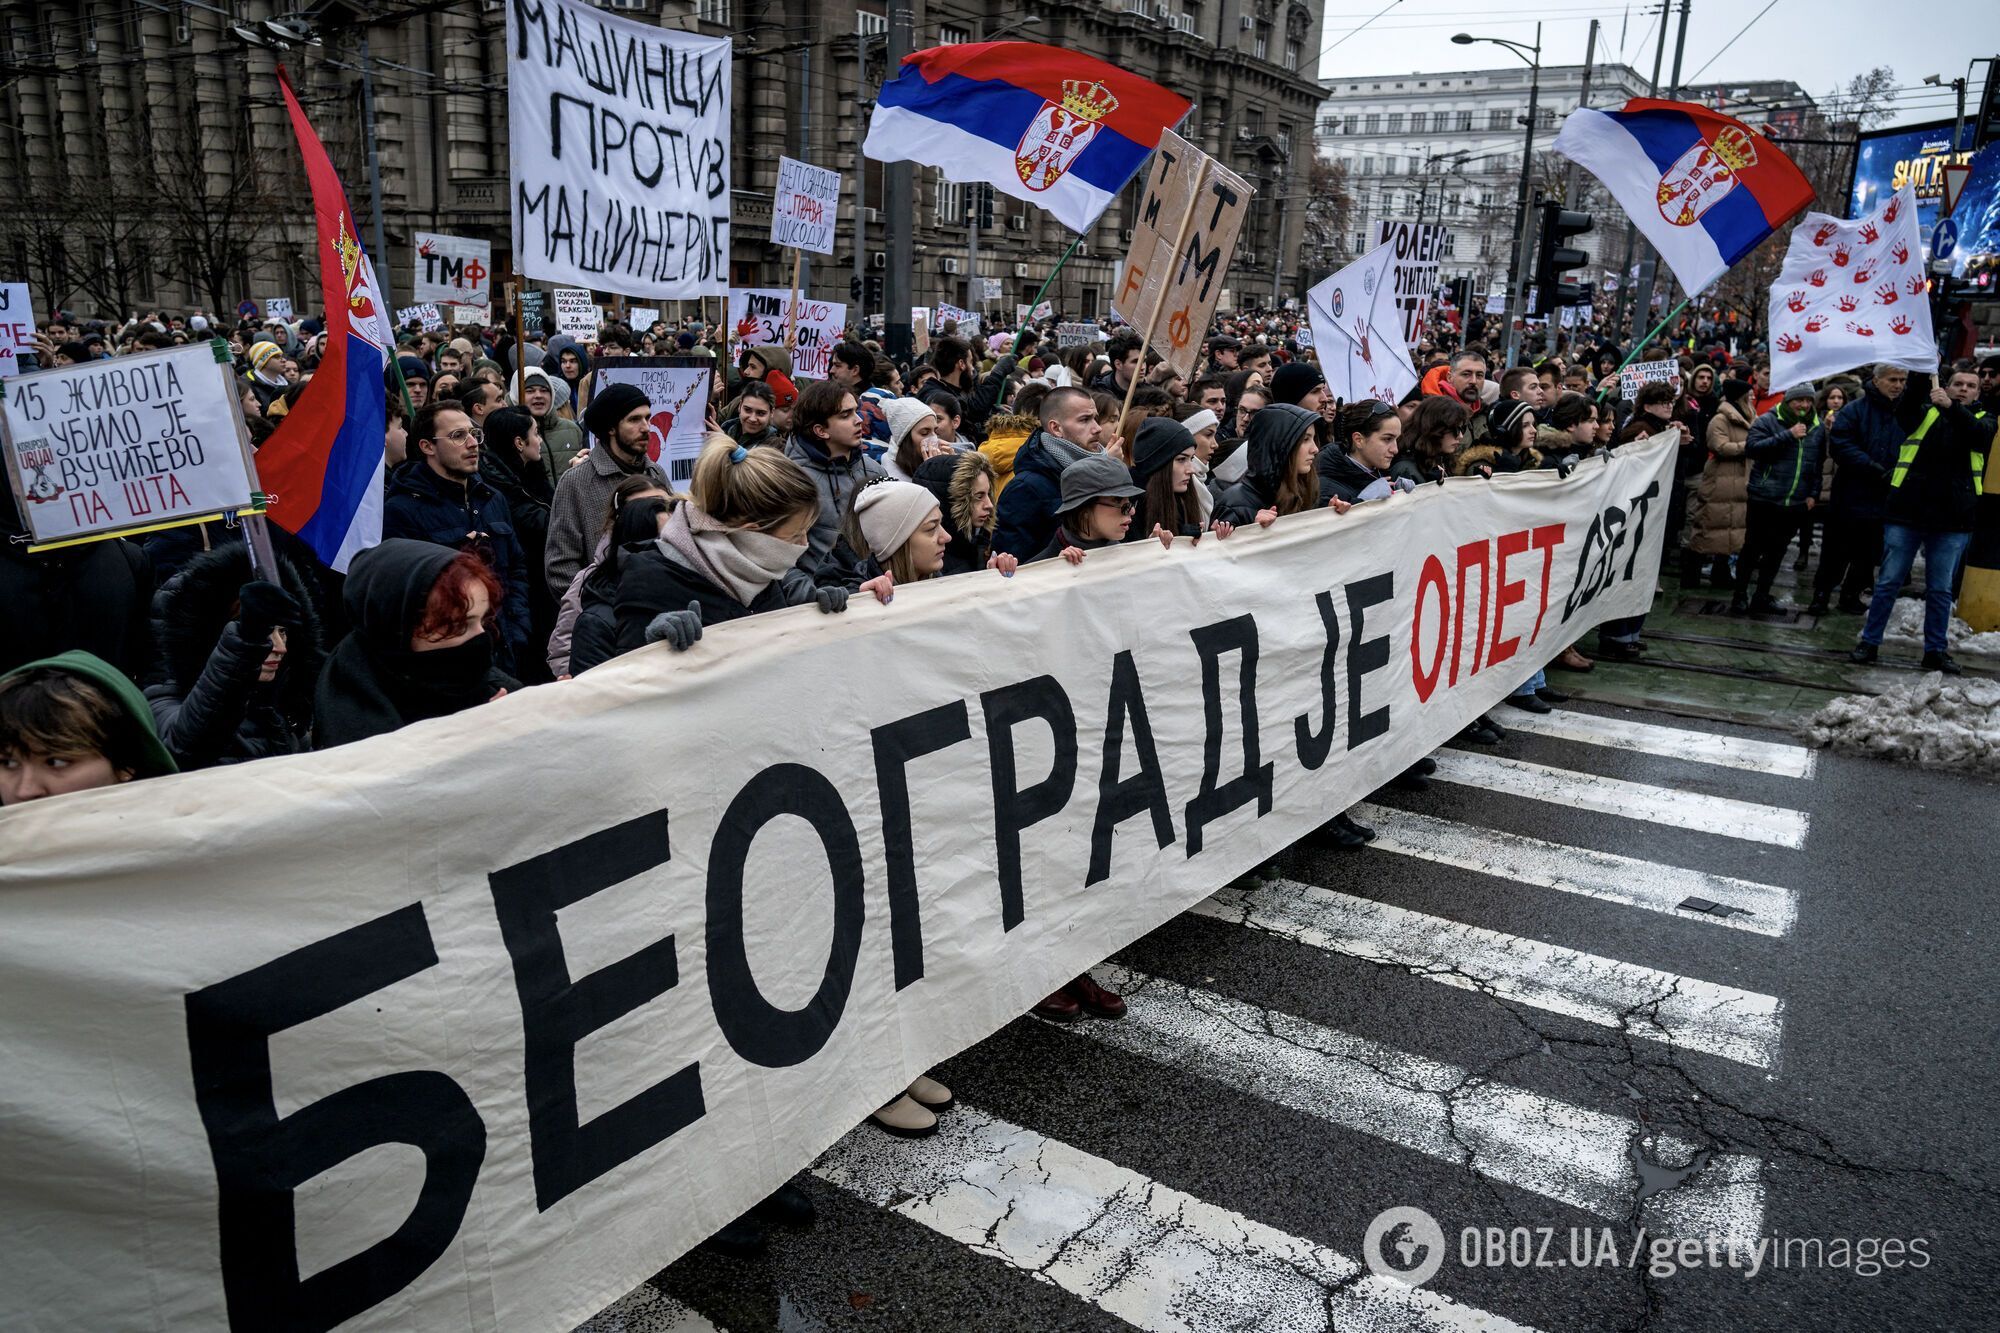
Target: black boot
[(1354, 826), (745, 1238)]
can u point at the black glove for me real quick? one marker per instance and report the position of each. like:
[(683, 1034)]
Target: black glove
[(1484, 469), (680, 629), (263, 607), (1565, 465), (831, 600)]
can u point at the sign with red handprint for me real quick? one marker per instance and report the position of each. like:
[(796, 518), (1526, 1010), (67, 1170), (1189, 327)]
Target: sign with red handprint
[(453, 270), (1819, 328)]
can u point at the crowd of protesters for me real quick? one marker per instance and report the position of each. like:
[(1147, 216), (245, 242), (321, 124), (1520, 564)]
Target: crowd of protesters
[(530, 533)]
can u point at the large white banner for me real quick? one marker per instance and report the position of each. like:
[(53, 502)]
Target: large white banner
[(1850, 293), (619, 138), (479, 1024)]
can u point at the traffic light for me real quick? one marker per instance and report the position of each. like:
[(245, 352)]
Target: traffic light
[(872, 295), (1554, 258), (986, 208), (854, 289)]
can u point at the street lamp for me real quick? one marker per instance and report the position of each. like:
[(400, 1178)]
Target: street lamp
[(1532, 57)]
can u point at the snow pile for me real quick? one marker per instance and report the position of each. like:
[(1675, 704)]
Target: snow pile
[(1939, 722), (1906, 625)]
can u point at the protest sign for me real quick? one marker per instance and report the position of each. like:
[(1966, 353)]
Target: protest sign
[(1647, 372), (1077, 335), (1023, 312), (476, 1071), (576, 316), (17, 327), (468, 314), (136, 442), (277, 307), (920, 328), (618, 132), (1363, 354), (805, 207), (989, 289), (946, 314), (533, 306), (677, 388), (453, 270), (1304, 338), (425, 316), (644, 317), (1496, 303), (762, 316), (1419, 247), (1189, 217)]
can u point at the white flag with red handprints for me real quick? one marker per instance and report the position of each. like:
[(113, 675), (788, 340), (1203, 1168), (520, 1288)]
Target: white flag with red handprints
[(1852, 293), (1357, 330)]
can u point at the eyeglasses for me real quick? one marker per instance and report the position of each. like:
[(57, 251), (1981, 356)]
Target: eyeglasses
[(463, 434), (1124, 506)]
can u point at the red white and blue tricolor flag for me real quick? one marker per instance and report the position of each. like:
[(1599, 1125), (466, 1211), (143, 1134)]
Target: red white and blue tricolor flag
[(1061, 130), (1705, 188), (324, 464)]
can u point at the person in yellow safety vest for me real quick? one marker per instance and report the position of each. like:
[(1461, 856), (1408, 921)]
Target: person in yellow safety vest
[(1934, 491)]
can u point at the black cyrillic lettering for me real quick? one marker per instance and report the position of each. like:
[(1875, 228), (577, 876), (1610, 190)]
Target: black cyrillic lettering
[(1364, 656), (1016, 808), (1213, 801), (896, 744), (1118, 799)]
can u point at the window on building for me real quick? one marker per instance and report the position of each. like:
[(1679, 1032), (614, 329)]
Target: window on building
[(1285, 138), (950, 36), (871, 25), (1395, 122), (1261, 45), (1499, 118), (1349, 124), (1294, 53), (1485, 245), (1368, 166), (1545, 117), (1450, 244), (1360, 240), (1371, 123), (717, 11), (950, 202)]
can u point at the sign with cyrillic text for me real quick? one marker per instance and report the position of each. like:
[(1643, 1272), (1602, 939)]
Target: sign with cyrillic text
[(1077, 335), (426, 317), (277, 307), (763, 317), (806, 205), (1189, 219), (677, 389), (619, 140), (1647, 372), (453, 270), (1419, 249), (17, 327)]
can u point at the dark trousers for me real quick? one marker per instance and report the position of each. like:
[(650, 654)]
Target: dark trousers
[(1771, 529), (1847, 561)]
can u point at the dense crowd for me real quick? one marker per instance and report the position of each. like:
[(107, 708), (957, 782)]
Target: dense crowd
[(530, 533)]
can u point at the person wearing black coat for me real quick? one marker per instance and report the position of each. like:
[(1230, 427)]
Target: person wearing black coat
[(963, 485), (1163, 454), (241, 657), (1282, 444), (96, 597), (594, 636), (1359, 464), (1863, 437), (510, 461), (421, 646)]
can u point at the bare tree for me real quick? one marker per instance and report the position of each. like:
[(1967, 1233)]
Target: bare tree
[(217, 205), (1329, 214)]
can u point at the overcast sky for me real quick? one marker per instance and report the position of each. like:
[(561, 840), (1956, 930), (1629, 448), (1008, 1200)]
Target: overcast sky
[(1818, 43)]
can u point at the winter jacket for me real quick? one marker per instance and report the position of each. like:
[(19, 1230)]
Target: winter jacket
[(528, 495), (1274, 433), (950, 477), (977, 401), (211, 709), (562, 439), (1408, 468), (1061, 538), (650, 582), (768, 438), (1865, 436), (836, 480), (426, 507), (1027, 512), (96, 597), (582, 503), (1783, 470), (1719, 510), (1936, 494), (1342, 476), (1491, 457), (1005, 437)]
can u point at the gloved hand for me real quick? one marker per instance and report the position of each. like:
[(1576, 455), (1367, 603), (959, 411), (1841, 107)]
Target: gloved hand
[(263, 607), (1566, 465), (680, 629), (831, 601), (1403, 484)]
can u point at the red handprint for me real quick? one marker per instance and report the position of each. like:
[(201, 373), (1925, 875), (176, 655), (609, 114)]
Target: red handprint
[(1816, 323), (1886, 293), (1817, 277), (1841, 254), (1826, 230), (1900, 324), (1901, 254), (1914, 286), (1861, 330), (1788, 342), (1866, 273), (747, 327), (1869, 233), (1795, 302), (1846, 303), (1895, 207), (426, 247)]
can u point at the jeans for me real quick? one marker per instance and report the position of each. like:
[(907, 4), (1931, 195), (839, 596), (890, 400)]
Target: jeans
[(1538, 681), (1942, 553)]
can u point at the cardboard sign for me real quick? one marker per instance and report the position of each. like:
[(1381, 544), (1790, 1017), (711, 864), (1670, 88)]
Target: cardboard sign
[(1419, 248), (150, 440), (17, 328), (805, 206), (920, 328), (618, 135), (762, 317), (425, 316), (277, 307), (1077, 335), (575, 314), (1647, 372), (1168, 290), (468, 314), (453, 270), (677, 388)]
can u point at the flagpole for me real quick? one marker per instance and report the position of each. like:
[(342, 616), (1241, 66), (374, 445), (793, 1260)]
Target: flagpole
[(1160, 301), (1640, 345), (1046, 284)]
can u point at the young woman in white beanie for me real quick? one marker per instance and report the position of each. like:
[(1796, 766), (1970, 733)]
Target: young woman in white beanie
[(913, 429)]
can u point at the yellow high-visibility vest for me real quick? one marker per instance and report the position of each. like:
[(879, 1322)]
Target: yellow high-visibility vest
[(1908, 455)]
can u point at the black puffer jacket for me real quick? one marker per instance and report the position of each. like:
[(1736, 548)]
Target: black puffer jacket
[(1274, 433), (650, 583), (1340, 475), (97, 597), (211, 708)]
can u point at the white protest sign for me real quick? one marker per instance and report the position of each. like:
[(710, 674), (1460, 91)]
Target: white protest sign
[(618, 132), (1496, 303), (805, 206), (1077, 335), (968, 322), (474, 1071), (453, 270), (17, 327), (576, 315), (425, 316), (277, 307), (1647, 372), (1304, 338), (132, 441), (1362, 353), (762, 316), (644, 317), (989, 289), (677, 388), (468, 314), (1419, 247)]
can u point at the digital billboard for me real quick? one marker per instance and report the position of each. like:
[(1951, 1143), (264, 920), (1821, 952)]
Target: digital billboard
[(1916, 153)]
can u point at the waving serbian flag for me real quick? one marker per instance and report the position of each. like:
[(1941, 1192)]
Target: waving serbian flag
[(324, 464), (1705, 188), (1060, 130)]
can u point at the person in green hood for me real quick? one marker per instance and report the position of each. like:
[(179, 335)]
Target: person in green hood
[(562, 439), (73, 722)]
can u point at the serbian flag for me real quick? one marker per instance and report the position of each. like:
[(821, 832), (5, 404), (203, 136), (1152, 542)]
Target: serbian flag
[(1705, 188), (324, 465), (1061, 130)]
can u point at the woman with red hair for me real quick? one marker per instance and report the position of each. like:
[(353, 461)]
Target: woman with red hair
[(421, 647)]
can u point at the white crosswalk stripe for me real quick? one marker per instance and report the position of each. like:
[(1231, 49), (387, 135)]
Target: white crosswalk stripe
[(1653, 1005), (1763, 909), (1629, 800), (1702, 747), (1510, 1136), (1158, 1258)]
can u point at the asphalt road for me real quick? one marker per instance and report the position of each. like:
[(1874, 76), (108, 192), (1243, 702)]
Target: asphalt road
[(1494, 1023)]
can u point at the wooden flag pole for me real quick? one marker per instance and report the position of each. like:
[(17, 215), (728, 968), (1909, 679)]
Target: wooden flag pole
[(792, 315), (1160, 301)]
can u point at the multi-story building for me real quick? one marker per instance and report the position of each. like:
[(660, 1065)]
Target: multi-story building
[(154, 158), (1446, 147)]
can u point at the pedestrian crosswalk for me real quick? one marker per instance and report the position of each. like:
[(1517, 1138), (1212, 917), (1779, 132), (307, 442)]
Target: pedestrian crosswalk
[(1133, 1244)]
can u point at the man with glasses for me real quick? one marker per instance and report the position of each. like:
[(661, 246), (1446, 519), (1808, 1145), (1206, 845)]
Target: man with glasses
[(438, 496)]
